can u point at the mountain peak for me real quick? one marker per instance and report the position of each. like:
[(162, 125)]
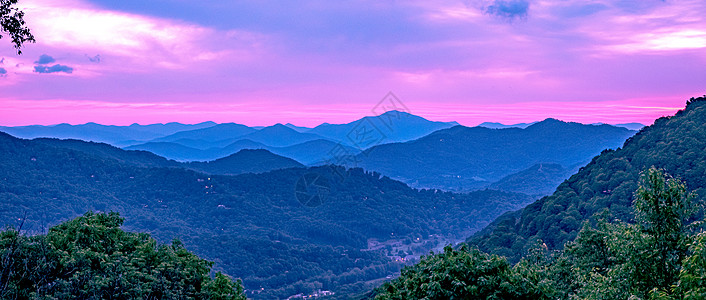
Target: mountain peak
[(397, 112), (552, 120), (278, 128)]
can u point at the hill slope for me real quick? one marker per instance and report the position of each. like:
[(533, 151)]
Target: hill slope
[(213, 133), (253, 225), (468, 158), (312, 151), (677, 144), (280, 136), (245, 161), (540, 179)]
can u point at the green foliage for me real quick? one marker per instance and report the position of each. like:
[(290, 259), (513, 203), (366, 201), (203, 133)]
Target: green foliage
[(674, 144), (662, 210), (12, 23), (692, 276), (657, 257), (643, 259), (90, 257), (460, 274), (223, 288)]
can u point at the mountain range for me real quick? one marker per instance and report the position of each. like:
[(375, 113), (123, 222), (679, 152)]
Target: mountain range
[(110, 134), (209, 141), (245, 211), (605, 187), (254, 226), (453, 157), (466, 158)]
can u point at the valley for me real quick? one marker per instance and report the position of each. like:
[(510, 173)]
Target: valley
[(364, 228), (366, 150)]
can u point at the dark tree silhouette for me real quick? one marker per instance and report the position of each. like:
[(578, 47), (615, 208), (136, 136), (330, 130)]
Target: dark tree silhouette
[(12, 24)]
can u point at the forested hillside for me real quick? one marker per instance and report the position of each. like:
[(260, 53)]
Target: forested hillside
[(660, 255), (468, 158), (677, 144), (541, 179), (243, 161), (253, 225)]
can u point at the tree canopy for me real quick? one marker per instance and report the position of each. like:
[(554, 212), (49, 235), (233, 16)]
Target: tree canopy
[(659, 256), (90, 257), (12, 25)]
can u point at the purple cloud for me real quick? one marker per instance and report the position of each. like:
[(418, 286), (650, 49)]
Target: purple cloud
[(53, 69), (45, 59), (95, 59), (326, 60), (508, 9)]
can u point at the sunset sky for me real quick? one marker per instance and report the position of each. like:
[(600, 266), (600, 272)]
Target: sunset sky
[(307, 62)]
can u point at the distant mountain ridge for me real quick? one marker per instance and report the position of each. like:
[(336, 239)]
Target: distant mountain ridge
[(102, 133), (308, 152), (213, 133), (631, 126), (243, 161), (608, 182), (306, 145), (392, 126), (496, 125), (468, 158), (209, 141)]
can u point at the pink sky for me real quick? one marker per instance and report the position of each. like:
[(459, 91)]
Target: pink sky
[(262, 62)]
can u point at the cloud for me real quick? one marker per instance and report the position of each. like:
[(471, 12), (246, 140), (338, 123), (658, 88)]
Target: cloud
[(133, 40), (45, 59), (43, 67), (509, 9), (95, 59), (505, 9), (53, 69)]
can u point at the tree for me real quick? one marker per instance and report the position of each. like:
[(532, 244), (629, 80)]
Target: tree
[(223, 288), (642, 259), (12, 24), (90, 257), (462, 274), (662, 210), (693, 273)]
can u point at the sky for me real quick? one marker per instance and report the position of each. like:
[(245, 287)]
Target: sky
[(260, 62)]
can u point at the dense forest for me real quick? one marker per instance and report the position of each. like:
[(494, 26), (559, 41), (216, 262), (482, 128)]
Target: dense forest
[(90, 257), (251, 225), (676, 144), (660, 255), (540, 179)]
